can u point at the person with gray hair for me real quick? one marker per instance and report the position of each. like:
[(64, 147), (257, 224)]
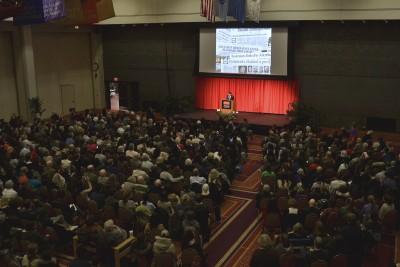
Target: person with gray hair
[(317, 252), (265, 254)]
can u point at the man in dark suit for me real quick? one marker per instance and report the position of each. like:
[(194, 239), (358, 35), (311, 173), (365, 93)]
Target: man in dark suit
[(230, 96)]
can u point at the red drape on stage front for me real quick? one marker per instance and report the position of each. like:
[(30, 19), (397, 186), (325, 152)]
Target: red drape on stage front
[(251, 95)]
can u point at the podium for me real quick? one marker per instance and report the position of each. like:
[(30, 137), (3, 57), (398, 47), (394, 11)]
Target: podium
[(227, 106)]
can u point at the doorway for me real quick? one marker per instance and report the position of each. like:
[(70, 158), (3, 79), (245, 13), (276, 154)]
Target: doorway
[(67, 98)]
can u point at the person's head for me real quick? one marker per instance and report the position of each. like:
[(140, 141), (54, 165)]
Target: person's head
[(318, 242), (103, 173), (371, 199), (109, 225), (264, 241), (312, 203), (140, 179), (266, 188), (165, 233), (158, 183), (298, 228), (205, 190), (9, 184), (188, 162)]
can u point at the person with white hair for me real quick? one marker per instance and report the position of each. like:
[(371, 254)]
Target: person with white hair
[(103, 177), (9, 191), (111, 236), (59, 181), (146, 162), (167, 176)]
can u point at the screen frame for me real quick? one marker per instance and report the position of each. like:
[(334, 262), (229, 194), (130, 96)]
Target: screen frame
[(290, 46)]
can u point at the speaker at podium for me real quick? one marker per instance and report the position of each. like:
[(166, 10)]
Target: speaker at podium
[(228, 106)]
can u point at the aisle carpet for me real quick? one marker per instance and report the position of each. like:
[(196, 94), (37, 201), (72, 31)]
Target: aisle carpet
[(235, 233)]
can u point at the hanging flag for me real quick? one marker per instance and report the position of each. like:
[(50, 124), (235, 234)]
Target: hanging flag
[(237, 9), (253, 9), (89, 11), (221, 9), (10, 8), (105, 9), (207, 9), (40, 11), (79, 12)]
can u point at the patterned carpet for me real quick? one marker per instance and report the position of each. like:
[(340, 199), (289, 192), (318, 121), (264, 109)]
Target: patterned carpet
[(242, 256)]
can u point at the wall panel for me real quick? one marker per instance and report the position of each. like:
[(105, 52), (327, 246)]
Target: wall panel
[(63, 59), (8, 89)]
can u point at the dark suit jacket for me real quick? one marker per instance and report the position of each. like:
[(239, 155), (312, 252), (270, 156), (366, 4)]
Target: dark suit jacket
[(265, 257)]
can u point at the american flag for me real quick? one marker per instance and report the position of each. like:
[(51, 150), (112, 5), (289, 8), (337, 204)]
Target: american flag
[(207, 9)]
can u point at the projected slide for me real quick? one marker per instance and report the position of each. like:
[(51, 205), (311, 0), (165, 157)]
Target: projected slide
[(243, 51)]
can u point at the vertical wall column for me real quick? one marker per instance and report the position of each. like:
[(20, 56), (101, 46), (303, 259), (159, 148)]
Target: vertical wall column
[(96, 43), (28, 62)]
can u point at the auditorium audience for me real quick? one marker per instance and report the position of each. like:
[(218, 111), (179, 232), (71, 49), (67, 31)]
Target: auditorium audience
[(100, 175), (337, 193)]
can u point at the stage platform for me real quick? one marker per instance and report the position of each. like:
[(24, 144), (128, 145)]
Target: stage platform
[(257, 119)]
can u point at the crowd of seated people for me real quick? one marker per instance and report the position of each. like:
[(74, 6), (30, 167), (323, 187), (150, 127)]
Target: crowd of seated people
[(326, 198), (106, 176)]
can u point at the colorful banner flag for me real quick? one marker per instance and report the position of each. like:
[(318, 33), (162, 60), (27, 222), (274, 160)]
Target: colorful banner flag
[(87, 12), (89, 9), (105, 9), (253, 9), (207, 9), (221, 9), (237, 9), (40, 11)]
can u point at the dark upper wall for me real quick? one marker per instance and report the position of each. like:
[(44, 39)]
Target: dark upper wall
[(347, 71), (139, 54)]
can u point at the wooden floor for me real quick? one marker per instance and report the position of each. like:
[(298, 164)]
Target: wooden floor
[(261, 119)]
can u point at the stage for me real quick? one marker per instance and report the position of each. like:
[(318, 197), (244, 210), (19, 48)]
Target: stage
[(256, 119)]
